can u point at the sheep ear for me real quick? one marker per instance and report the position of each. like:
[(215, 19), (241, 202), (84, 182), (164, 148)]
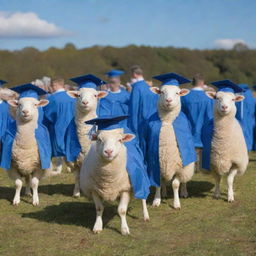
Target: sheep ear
[(42, 103), (184, 92), (102, 94), (13, 103), (155, 90), (239, 98), (73, 94), (211, 94), (128, 137), (94, 137)]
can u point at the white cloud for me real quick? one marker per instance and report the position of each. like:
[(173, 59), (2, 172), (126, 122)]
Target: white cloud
[(27, 25), (227, 43)]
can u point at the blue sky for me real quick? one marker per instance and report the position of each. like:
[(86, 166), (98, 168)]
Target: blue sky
[(199, 24)]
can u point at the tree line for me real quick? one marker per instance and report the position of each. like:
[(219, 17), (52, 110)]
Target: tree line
[(28, 64)]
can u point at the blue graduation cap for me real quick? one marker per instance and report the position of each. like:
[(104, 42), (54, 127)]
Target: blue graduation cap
[(227, 86), (172, 79), (88, 81), (2, 82), (108, 122), (29, 90), (114, 73), (245, 87)]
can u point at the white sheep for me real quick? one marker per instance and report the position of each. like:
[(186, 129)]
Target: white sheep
[(104, 175), (228, 152), (25, 158), (86, 106), (169, 155)]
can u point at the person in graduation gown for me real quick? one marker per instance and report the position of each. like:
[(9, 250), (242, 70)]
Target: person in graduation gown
[(135, 163), (58, 114), (254, 128), (246, 115), (118, 98), (41, 132), (182, 131), (5, 117), (199, 109), (143, 104)]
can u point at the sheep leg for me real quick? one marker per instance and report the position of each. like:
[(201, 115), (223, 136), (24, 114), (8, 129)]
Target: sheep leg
[(14, 175), (176, 199), (157, 198), (28, 190), (59, 165), (183, 190), (34, 186), (122, 209), (216, 193), (76, 192), (164, 190), (98, 226), (230, 181), (145, 210)]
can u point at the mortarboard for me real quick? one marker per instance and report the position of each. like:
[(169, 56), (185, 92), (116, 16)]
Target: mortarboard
[(172, 79), (227, 86), (2, 82), (88, 81), (28, 90), (245, 87), (114, 73), (108, 122)]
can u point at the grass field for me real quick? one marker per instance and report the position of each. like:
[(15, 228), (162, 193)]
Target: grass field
[(62, 225)]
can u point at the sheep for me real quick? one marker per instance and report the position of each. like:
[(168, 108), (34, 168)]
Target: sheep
[(169, 155), (228, 152), (86, 106), (104, 176), (25, 158)]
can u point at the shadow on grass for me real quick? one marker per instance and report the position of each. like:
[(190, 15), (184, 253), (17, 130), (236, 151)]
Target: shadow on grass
[(7, 193), (73, 213), (61, 189), (195, 189)]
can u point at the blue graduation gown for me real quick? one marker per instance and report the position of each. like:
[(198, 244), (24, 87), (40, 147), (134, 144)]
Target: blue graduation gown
[(42, 138), (184, 140), (5, 118), (199, 109), (143, 104), (118, 102), (135, 160), (58, 114), (246, 116)]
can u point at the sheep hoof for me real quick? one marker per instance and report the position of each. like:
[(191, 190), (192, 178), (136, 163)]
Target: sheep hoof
[(125, 231), (156, 202), (146, 219), (68, 169), (16, 201), (97, 231), (231, 199), (29, 194), (35, 203), (177, 208), (76, 195)]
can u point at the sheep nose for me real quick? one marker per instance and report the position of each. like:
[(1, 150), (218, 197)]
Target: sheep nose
[(224, 107), (85, 103), (25, 112), (169, 100), (108, 151)]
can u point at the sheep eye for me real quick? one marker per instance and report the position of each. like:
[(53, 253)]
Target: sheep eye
[(95, 95)]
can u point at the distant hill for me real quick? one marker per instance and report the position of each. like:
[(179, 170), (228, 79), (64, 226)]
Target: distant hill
[(25, 65)]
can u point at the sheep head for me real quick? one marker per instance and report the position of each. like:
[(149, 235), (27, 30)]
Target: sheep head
[(225, 102), (26, 108), (87, 98), (110, 142), (169, 96), (7, 94)]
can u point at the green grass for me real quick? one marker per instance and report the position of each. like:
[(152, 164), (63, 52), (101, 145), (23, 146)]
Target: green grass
[(62, 225)]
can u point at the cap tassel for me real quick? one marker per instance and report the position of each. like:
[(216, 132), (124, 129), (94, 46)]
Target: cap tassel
[(93, 131)]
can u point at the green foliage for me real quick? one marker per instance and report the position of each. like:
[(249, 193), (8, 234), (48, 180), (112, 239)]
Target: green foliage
[(29, 63)]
